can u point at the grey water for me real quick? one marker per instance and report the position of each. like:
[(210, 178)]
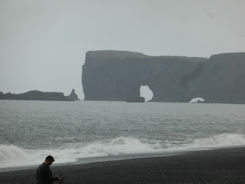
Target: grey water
[(71, 131)]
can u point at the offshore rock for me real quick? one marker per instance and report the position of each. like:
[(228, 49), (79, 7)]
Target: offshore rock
[(36, 95), (118, 75), (73, 96), (136, 99)]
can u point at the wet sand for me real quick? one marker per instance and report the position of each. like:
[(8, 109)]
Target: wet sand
[(199, 167)]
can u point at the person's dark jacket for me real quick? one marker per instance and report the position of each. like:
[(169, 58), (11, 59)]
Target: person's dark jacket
[(44, 175)]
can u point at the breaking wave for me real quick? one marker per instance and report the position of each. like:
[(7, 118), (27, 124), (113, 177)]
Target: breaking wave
[(14, 156), (221, 140)]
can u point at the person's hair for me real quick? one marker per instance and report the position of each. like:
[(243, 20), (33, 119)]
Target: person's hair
[(50, 158)]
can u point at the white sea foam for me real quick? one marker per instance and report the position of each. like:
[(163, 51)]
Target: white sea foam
[(13, 156), (221, 140)]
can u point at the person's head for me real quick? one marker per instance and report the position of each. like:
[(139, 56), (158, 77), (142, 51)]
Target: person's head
[(49, 160)]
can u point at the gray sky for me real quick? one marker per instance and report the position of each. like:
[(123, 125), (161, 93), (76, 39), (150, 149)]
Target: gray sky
[(43, 42)]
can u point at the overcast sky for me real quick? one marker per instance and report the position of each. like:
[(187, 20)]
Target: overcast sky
[(43, 42)]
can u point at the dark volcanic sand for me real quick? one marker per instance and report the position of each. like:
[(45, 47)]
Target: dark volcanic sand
[(199, 167)]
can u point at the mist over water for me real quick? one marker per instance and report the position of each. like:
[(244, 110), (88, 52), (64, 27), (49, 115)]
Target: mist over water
[(73, 131)]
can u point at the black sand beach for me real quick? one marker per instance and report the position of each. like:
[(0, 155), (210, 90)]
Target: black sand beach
[(199, 167)]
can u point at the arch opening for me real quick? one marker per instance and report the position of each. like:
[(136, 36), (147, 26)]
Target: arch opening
[(146, 92)]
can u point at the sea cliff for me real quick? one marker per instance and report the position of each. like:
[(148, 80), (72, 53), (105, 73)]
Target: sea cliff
[(118, 75)]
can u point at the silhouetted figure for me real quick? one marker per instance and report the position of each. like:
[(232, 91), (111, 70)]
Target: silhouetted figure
[(44, 174)]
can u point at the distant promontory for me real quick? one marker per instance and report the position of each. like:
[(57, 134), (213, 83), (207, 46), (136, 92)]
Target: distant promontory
[(39, 95), (118, 75)]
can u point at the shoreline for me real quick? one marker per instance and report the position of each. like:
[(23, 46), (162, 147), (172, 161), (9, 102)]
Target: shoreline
[(225, 165), (90, 160)]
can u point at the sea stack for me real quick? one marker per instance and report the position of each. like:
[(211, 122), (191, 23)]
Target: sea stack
[(73, 96)]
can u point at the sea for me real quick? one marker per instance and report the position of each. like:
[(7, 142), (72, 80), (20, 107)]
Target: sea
[(88, 131)]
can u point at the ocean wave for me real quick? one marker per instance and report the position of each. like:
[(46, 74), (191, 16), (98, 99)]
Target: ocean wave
[(14, 156), (11, 156), (122, 146), (221, 140)]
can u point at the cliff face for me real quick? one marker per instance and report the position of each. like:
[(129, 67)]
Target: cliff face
[(118, 75)]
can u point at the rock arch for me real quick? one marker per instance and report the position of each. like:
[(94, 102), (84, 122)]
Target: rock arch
[(146, 92)]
